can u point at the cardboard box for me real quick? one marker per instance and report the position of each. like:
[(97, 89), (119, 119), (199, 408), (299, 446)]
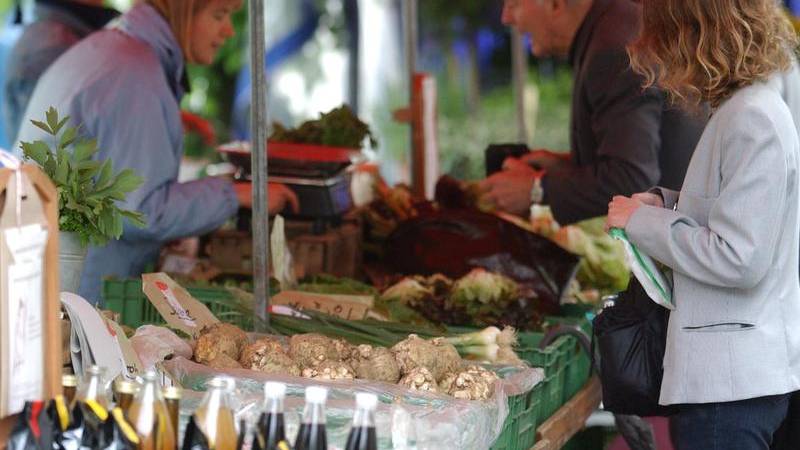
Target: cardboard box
[(350, 307), (29, 289)]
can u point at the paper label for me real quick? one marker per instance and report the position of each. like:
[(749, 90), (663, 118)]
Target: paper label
[(24, 332), (177, 309), (175, 304), (129, 358)]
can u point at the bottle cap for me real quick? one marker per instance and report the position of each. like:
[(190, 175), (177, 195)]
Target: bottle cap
[(172, 393), (316, 394), (125, 387), (365, 400), (273, 389), (69, 380), (150, 375), (226, 383)]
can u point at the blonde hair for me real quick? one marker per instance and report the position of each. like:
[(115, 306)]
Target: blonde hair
[(180, 16), (705, 50)]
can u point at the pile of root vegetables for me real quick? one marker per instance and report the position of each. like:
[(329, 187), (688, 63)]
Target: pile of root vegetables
[(432, 365)]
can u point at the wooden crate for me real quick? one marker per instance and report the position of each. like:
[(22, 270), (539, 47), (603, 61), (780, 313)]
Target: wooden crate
[(338, 251)]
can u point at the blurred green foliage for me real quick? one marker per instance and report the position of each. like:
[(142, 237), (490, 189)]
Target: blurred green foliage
[(463, 137)]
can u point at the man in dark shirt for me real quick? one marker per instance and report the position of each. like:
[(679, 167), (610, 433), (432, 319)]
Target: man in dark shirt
[(624, 140)]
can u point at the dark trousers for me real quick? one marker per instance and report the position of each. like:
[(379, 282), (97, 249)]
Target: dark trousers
[(788, 435), (741, 425)]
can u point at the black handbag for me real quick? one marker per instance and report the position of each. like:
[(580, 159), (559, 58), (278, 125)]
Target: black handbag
[(629, 341)]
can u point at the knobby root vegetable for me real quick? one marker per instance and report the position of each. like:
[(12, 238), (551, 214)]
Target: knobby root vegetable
[(472, 383), (375, 363), (311, 349), (268, 355), (420, 379), (330, 370), (223, 361), (220, 339)]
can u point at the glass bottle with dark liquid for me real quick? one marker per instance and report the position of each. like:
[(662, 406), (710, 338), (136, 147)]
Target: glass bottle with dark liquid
[(272, 426), (312, 434), (362, 435)]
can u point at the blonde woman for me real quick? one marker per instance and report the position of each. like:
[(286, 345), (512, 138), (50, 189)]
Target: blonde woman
[(730, 235), (124, 85)]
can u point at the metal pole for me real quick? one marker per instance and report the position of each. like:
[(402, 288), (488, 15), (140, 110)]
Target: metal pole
[(519, 74), (258, 131), (411, 39)]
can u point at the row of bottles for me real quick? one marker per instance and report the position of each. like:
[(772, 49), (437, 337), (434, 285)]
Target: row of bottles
[(153, 414), (312, 435)]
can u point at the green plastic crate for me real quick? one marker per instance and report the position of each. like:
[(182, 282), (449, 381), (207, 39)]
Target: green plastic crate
[(579, 363), (577, 371), (126, 298), (519, 430)]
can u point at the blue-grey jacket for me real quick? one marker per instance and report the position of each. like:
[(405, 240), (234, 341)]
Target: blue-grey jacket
[(59, 25), (123, 84)]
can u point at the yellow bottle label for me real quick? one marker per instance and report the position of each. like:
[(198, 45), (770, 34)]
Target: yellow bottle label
[(282, 445), (126, 428), (97, 409), (62, 411)]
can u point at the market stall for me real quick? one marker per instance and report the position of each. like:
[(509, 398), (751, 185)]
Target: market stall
[(331, 292)]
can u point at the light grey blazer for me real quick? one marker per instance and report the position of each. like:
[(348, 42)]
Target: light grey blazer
[(732, 244)]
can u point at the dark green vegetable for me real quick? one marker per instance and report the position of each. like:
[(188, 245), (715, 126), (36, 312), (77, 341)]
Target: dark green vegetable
[(339, 127)]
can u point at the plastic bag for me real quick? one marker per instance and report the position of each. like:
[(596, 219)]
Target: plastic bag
[(453, 242), (645, 270), (630, 337), (155, 344), (282, 266)]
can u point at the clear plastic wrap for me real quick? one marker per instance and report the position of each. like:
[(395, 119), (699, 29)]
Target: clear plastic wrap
[(153, 344), (404, 419)]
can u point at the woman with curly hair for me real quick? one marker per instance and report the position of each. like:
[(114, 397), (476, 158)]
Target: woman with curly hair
[(731, 234)]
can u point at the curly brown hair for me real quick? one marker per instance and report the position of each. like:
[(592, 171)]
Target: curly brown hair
[(704, 50)]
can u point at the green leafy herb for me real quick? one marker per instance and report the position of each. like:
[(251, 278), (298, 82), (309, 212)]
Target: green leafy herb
[(339, 127), (88, 190)]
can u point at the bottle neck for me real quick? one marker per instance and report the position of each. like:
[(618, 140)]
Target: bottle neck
[(93, 390), (149, 393), (364, 418), (274, 405), (210, 412), (314, 414)]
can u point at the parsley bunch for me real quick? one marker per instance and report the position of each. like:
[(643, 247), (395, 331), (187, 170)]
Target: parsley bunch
[(88, 190)]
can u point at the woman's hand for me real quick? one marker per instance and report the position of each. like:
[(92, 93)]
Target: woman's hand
[(649, 199), (280, 196), (620, 211)]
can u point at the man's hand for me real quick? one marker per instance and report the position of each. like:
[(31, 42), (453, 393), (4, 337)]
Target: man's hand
[(649, 199), (280, 196), (546, 160), (620, 211), (510, 190)]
